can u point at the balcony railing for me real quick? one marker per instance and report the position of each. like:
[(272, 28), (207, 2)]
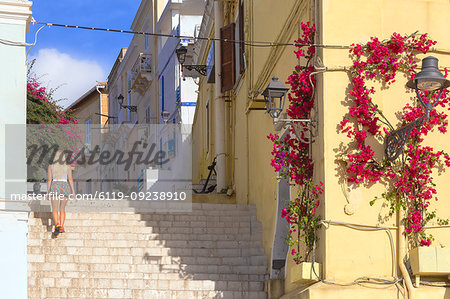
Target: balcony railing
[(141, 73)]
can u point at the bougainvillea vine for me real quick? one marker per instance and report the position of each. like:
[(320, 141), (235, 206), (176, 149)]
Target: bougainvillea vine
[(291, 157), (409, 179)]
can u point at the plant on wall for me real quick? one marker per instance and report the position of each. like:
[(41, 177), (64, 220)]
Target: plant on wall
[(410, 178), (291, 157), (47, 124)]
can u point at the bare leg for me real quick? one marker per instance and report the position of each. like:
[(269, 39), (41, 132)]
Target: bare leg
[(55, 204), (62, 211)]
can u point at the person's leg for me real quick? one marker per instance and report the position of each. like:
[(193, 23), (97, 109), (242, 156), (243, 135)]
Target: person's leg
[(55, 203), (62, 211)]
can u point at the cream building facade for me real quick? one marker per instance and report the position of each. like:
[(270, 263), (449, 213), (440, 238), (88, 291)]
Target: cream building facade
[(146, 81), (229, 126), (91, 112)]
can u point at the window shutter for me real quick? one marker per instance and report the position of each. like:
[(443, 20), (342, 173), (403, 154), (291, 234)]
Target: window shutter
[(241, 37), (227, 57)]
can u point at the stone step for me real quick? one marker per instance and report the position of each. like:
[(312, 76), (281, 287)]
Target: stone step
[(160, 230), (147, 259), (153, 276), (45, 232), (146, 268), (205, 251), (158, 252), (191, 207), (37, 292), (223, 217), (173, 285), (220, 222), (131, 241)]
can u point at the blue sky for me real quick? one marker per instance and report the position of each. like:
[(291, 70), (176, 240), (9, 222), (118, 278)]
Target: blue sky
[(74, 59)]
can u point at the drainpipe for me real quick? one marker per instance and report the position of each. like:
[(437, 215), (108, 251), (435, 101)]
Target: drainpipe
[(402, 254), (219, 101), (101, 106), (101, 135)]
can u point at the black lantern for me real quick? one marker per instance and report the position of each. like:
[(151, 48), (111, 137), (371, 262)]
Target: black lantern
[(181, 54), (129, 107), (165, 116), (120, 100), (429, 79), (274, 97)]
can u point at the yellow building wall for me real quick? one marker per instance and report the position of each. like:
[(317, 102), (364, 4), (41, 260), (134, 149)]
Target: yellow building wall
[(83, 111), (249, 173), (350, 253), (345, 253), (202, 154)]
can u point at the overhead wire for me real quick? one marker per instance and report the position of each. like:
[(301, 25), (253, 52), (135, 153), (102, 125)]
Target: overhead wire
[(248, 43)]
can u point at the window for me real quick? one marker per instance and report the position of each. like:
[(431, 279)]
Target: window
[(147, 115), (207, 126), (88, 133), (227, 57), (239, 47), (130, 97), (232, 55), (146, 37), (162, 94)]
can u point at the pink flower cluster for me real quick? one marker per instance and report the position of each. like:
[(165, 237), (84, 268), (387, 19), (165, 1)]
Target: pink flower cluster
[(413, 180), (291, 157)]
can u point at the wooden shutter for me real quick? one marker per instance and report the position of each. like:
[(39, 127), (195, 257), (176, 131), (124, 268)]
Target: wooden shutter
[(241, 37), (227, 57)]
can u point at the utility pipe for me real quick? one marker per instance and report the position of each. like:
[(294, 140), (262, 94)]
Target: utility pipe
[(402, 254), (100, 169), (219, 101), (101, 104)]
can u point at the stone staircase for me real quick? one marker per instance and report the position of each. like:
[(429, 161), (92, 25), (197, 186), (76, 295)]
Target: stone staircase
[(214, 251)]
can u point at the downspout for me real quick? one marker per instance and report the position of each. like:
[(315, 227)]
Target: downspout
[(219, 101), (101, 133), (101, 104), (402, 254)]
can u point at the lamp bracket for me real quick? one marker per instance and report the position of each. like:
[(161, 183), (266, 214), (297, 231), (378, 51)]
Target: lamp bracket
[(396, 140), (305, 129), (201, 69), (428, 106), (129, 107)]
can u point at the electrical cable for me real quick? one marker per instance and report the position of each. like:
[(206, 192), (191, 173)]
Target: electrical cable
[(363, 279), (35, 39), (247, 43), (13, 43)]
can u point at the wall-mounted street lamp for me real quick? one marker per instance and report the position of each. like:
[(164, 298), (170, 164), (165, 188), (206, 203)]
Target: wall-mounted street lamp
[(165, 116), (129, 107), (274, 99), (181, 55), (428, 79)]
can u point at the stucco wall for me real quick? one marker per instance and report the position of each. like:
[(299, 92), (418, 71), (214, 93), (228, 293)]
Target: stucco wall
[(15, 18), (350, 253), (345, 253)]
